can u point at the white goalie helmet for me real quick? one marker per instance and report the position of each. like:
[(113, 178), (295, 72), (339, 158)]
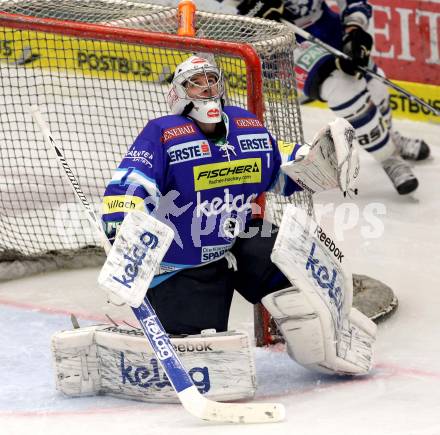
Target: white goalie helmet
[(197, 90)]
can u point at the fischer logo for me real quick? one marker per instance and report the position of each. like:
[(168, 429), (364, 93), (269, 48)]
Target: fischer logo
[(135, 258), (228, 204), (248, 123), (213, 113), (175, 132), (189, 151), (222, 174), (227, 170), (254, 142), (158, 336)]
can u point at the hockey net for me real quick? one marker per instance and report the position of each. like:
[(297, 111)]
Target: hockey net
[(98, 71)]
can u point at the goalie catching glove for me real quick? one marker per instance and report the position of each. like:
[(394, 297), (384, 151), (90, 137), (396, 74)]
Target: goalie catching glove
[(331, 161)]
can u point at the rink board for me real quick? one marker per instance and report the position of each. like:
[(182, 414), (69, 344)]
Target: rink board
[(404, 108)]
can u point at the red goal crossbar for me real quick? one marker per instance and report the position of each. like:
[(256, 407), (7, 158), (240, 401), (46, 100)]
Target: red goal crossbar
[(153, 39)]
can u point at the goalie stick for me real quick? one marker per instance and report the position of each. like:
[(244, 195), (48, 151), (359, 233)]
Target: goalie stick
[(190, 397), (308, 37)]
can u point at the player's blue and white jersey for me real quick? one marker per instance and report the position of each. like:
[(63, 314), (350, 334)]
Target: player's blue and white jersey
[(304, 13), (202, 189)]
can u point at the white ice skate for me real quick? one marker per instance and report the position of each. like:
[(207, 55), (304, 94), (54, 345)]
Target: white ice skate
[(400, 174), (410, 148)]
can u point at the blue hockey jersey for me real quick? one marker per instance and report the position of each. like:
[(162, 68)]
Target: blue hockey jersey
[(202, 189), (306, 12)]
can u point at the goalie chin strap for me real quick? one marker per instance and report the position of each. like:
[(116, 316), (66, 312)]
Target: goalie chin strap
[(188, 394), (232, 261), (188, 108)]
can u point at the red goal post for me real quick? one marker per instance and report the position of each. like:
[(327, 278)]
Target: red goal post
[(98, 71)]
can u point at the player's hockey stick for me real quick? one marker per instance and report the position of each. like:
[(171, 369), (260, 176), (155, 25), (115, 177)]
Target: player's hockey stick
[(308, 37), (189, 395)]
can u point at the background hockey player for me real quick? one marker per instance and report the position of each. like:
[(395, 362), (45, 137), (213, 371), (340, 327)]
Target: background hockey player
[(363, 101), (199, 171)]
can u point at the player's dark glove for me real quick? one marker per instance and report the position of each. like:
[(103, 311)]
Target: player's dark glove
[(357, 44), (268, 9)]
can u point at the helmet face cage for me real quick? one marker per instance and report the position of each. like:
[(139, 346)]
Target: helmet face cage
[(187, 92), (212, 77)]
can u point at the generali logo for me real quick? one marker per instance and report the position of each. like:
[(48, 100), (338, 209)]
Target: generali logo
[(247, 123), (175, 132)]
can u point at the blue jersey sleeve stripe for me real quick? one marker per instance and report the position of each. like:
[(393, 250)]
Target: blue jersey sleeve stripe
[(136, 178), (292, 155), (133, 174)]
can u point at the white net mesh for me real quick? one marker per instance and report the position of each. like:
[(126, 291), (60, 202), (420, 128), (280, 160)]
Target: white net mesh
[(96, 96)]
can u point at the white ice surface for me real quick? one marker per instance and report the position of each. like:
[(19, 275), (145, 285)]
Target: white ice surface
[(401, 396)]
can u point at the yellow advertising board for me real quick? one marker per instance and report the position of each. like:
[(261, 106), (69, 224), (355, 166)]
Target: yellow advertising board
[(403, 107), (101, 59), (121, 61)]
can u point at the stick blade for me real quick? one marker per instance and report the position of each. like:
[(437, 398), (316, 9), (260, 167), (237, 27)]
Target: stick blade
[(238, 413)]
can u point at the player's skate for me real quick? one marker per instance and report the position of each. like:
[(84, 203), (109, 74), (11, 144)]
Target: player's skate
[(410, 148), (400, 174)]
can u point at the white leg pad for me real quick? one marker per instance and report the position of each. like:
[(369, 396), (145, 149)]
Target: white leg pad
[(118, 361), (322, 330), (299, 324), (357, 339), (76, 360), (353, 353), (312, 344)]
